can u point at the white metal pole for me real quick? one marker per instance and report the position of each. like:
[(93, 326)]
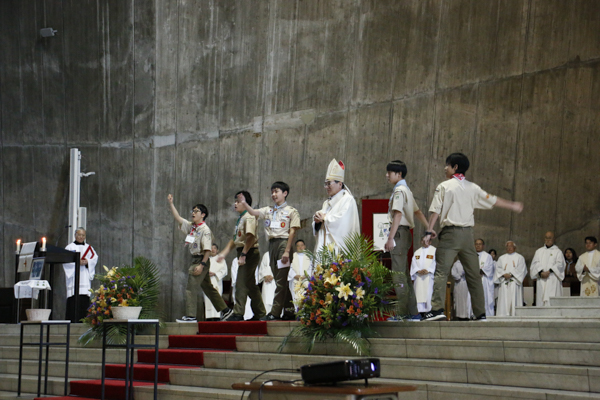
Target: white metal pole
[(74, 181)]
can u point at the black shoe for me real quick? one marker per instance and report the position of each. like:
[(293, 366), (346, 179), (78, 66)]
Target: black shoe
[(270, 317), (434, 315), (234, 317), (226, 313), (481, 318), (288, 317)]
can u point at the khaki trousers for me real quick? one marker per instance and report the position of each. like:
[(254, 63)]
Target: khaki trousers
[(245, 285), (405, 292), (198, 284), (283, 296), (457, 241)]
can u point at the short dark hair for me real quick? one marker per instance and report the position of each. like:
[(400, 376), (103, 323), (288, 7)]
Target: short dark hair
[(300, 240), (246, 195), (281, 185), (203, 210), (397, 166), (460, 160), (216, 245), (591, 239), (482, 241), (494, 250)]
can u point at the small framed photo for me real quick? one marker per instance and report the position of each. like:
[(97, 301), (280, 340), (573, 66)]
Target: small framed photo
[(37, 268)]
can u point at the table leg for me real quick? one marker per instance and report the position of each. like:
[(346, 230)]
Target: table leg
[(39, 391), (127, 363), (20, 361), (47, 355), (131, 364), (156, 361), (67, 357), (103, 360)]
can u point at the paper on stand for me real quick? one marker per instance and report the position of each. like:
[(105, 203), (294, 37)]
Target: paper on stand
[(26, 257), (25, 289)]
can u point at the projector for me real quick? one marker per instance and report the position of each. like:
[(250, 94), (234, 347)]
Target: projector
[(339, 371)]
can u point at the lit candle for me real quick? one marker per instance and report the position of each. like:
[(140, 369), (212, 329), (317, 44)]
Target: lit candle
[(19, 246), (43, 244)]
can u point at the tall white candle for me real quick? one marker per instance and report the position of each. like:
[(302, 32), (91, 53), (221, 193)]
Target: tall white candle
[(19, 246), (43, 244)]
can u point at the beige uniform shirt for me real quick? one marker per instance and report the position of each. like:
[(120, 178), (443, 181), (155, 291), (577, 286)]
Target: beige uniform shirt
[(278, 224), (402, 200), (246, 225), (202, 237), (455, 201)]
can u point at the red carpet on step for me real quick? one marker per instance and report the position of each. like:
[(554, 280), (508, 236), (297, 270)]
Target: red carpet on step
[(141, 372), (240, 328), (224, 342), (114, 388)]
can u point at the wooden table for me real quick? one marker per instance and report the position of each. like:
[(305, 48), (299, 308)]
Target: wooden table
[(345, 391)]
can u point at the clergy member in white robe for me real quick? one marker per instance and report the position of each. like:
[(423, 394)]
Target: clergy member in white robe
[(217, 272), (422, 269), (510, 272), (338, 218), (548, 268), (265, 275), (462, 297), (248, 314), (301, 266), (87, 270), (588, 268), (487, 267)]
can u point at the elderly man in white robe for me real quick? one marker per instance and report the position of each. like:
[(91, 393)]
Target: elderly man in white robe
[(548, 268), (588, 268), (301, 266), (487, 267), (87, 270), (338, 218), (462, 297), (217, 272), (511, 270), (422, 269)]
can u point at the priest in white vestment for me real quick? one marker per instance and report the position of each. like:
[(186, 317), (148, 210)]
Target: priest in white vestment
[(588, 268), (217, 271), (487, 267), (87, 270), (301, 266), (265, 275), (422, 269), (548, 268), (338, 218), (462, 297), (248, 314), (510, 272)]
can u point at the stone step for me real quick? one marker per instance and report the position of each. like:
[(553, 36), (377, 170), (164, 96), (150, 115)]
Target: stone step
[(559, 311), (576, 301), (543, 376), (84, 355), (14, 340), (173, 392), (77, 370), (169, 328), (10, 382)]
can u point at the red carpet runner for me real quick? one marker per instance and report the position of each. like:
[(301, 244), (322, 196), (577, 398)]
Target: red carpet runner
[(185, 351)]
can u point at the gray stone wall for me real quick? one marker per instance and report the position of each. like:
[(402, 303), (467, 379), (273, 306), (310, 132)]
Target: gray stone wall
[(203, 98)]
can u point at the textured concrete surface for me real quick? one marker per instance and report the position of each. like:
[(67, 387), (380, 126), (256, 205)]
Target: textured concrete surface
[(203, 98)]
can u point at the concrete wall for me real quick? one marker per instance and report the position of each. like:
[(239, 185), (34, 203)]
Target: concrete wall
[(201, 98)]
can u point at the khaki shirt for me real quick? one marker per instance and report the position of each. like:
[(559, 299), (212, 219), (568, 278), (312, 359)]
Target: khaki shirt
[(246, 225), (202, 237), (455, 201), (402, 200), (278, 226)]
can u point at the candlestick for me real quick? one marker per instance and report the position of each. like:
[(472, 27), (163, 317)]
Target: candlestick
[(43, 244), (18, 246)]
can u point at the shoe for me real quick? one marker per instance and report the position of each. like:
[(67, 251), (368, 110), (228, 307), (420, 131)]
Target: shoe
[(481, 318), (270, 317), (226, 313), (234, 317), (417, 317), (288, 317), (434, 315), (395, 318), (185, 319)]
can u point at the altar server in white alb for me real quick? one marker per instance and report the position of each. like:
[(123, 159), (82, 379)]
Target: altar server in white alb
[(510, 272), (548, 268), (422, 269), (217, 272), (487, 268), (588, 268), (338, 218), (265, 276), (301, 266), (462, 297), (87, 270)]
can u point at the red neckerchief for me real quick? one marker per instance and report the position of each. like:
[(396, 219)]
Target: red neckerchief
[(460, 177), (194, 226)]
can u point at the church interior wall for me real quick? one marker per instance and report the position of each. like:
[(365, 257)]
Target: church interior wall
[(204, 98)]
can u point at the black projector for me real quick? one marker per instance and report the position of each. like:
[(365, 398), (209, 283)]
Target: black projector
[(339, 371)]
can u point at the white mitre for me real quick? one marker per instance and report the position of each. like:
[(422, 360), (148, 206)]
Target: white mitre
[(335, 171)]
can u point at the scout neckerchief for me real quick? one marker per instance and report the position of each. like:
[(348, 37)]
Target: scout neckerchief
[(277, 208), (237, 224), (194, 226), (460, 178)]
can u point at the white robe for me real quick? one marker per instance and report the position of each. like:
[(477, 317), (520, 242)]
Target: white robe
[(248, 314), (220, 270), (86, 273), (268, 288), (300, 265), (341, 220), (423, 258), (510, 293), (488, 266), (546, 259), (589, 281), (462, 297)]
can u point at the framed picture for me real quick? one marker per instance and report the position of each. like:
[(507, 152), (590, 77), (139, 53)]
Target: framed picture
[(37, 268)]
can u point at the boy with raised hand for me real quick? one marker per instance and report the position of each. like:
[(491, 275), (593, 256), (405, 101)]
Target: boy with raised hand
[(199, 242), (281, 222), (454, 203), (245, 240), (402, 210)]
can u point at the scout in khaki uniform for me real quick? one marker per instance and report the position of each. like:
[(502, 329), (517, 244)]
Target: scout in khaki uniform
[(199, 242), (281, 222), (402, 210), (454, 203), (245, 240)]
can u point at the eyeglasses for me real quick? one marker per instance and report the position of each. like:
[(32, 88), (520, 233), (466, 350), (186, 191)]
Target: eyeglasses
[(194, 211), (328, 183)]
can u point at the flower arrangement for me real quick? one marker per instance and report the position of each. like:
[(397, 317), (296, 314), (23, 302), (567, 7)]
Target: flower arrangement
[(126, 286), (346, 292)]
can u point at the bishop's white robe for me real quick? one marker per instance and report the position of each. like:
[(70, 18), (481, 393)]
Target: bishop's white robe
[(268, 288), (488, 267), (220, 270), (462, 297), (548, 259), (300, 265), (423, 258), (341, 220), (86, 273), (589, 280), (510, 292), (248, 314)]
